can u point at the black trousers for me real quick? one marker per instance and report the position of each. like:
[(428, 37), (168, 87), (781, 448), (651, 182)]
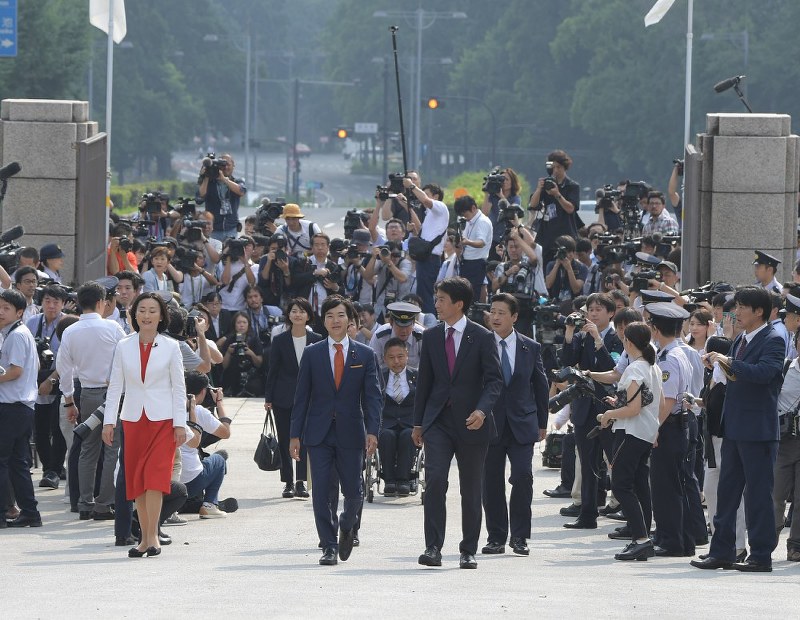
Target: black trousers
[(283, 419), (666, 464), (518, 509), (475, 272), (123, 507), (568, 461), (700, 447), (441, 444), (589, 451), (695, 518), (397, 453), (630, 482), (16, 428), (50, 443)]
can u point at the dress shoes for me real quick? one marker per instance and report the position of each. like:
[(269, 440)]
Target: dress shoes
[(122, 541), (493, 548), (328, 557), (740, 557), (751, 566), (701, 542), (637, 551), (135, 553), (623, 533), (356, 541), (49, 480), (792, 555), (103, 516), (164, 539), (153, 551), (431, 557), (84, 515), (73, 508), (288, 490), (559, 491), (608, 509), (390, 489), (666, 553), (573, 510), (616, 516), (24, 520), (403, 488), (710, 563), (300, 490), (467, 560), (345, 543), (581, 524), (519, 546)]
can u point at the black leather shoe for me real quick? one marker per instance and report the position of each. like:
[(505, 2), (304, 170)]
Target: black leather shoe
[(135, 553), (73, 508), (750, 566), (493, 548), (573, 510), (390, 489), (467, 560), (50, 480), (26, 521), (153, 551), (85, 515), (288, 490), (345, 544), (431, 557), (103, 516), (624, 533), (559, 491), (581, 524), (122, 541), (701, 542), (164, 539), (742, 556), (639, 552), (711, 563), (608, 509), (666, 553), (300, 489), (229, 504), (519, 546), (403, 489), (328, 557), (616, 516)]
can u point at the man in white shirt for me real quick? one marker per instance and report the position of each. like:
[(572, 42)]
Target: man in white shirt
[(26, 280), (476, 237), (298, 231)]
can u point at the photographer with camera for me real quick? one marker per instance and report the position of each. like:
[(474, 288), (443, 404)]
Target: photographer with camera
[(299, 232), (564, 275), (237, 274), (220, 192), (275, 271), (660, 220), (319, 278), (262, 317), (120, 256), (242, 359), (554, 203), (608, 206), (197, 281), (498, 185), (476, 237), (358, 287), (392, 270), (394, 202), (521, 275)]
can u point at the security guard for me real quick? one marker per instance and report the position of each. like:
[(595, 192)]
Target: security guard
[(402, 317), (792, 321), (673, 536), (765, 268)]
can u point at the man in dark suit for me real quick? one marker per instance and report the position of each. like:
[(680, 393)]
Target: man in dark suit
[(395, 445), (750, 436), (459, 382), (593, 348), (336, 415), (520, 415)]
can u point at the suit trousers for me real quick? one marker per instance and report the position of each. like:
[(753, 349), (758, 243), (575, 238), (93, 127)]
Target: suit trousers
[(589, 452), (441, 444), (631, 482), (50, 442), (91, 448), (333, 503), (750, 464), (16, 428), (427, 271), (568, 460), (283, 419), (397, 453), (518, 509), (711, 485), (475, 272), (666, 464), (787, 485), (694, 517), (348, 463)]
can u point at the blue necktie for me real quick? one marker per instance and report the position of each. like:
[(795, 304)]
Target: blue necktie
[(505, 363)]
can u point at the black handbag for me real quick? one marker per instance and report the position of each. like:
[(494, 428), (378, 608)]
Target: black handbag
[(419, 249), (268, 455)]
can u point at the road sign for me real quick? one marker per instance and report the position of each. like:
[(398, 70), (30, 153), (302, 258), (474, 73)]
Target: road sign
[(8, 28), (314, 185), (366, 128)]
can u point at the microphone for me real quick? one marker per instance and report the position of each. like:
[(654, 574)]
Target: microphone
[(12, 234), (724, 85), (10, 170)]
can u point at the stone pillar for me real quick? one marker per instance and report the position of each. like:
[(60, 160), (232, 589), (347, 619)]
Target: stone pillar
[(748, 195), (42, 135)]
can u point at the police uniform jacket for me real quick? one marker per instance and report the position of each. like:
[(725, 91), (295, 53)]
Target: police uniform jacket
[(676, 373), (413, 344)]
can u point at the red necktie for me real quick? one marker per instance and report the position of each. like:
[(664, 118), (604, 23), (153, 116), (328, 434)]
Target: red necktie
[(450, 349), (338, 365)]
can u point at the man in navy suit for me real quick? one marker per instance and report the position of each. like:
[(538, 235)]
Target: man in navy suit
[(336, 415), (520, 415), (458, 384), (750, 436)]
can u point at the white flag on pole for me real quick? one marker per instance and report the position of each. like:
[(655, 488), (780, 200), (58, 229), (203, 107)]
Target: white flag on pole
[(98, 17), (658, 11)]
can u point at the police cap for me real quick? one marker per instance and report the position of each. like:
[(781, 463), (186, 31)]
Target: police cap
[(651, 297), (403, 313), (667, 311), (762, 258)]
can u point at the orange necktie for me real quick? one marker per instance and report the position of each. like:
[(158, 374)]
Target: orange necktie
[(338, 365)]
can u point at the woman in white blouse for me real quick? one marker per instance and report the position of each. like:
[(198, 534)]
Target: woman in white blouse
[(155, 278)]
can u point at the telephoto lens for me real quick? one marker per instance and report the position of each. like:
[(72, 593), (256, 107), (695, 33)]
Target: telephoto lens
[(84, 429)]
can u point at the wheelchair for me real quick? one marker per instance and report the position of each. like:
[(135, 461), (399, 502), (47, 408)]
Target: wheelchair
[(373, 475)]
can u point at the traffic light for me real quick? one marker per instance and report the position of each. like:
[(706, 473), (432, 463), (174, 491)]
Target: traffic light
[(434, 103), (341, 133)]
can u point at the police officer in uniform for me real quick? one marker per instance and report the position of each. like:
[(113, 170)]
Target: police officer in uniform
[(765, 268), (673, 536), (402, 317)]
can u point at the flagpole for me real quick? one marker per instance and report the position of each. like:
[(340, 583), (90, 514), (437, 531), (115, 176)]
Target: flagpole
[(688, 95), (109, 85)]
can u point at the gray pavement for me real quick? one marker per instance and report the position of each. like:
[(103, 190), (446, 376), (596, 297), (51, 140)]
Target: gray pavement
[(262, 562)]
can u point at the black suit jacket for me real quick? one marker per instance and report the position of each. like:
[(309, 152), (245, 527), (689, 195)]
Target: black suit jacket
[(393, 412), (224, 328), (522, 404), (475, 384), (283, 369)]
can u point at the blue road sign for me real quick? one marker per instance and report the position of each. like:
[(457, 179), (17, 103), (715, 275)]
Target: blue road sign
[(8, 28), (314, 185)]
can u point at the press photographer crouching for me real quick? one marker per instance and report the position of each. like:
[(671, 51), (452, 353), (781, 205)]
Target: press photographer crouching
[(565, 275), (476, 237)]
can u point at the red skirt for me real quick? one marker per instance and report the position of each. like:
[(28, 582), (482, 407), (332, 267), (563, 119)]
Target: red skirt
[(149, 454)]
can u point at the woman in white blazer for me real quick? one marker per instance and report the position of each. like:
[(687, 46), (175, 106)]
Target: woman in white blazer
[(148, 369)]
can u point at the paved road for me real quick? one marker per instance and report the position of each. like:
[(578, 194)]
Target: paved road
[(262, 562)]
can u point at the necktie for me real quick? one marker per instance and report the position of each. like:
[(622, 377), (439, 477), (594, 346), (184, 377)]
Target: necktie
[(398, 391), (450, 349), (338, 365), (505, 362), (742, 349)]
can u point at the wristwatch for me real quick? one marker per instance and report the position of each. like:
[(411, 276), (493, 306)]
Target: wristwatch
[(53, 380)]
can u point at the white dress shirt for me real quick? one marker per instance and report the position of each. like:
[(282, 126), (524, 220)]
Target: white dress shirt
[(332, 350), (404, 389), (479, 228), (436, 220), (511, 346), (299, 346), (460, 325), (86, 351)]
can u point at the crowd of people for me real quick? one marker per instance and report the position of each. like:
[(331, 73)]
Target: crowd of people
[(453, 333)]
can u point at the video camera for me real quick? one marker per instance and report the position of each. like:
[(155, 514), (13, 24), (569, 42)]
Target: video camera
[(186, 207), (9, 249), (678, 163), (493, 182), (580, 387), (605, 197), (213, 165), (353, 220), (152, 202), (186, 258), (192, 230), (476, 311), (268, 212), (235, 248), (393, 188), (576, 320), (641, 279), (507, 215)]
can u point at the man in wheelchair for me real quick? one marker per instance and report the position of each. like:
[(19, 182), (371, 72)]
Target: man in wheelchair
[(395, 447)]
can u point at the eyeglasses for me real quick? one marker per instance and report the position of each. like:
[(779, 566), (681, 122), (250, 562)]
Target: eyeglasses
[(29, 281)]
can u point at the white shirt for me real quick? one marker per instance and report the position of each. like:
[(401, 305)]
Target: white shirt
[(479, 228), (191, 467), (459, 326), (298, 243), (404, 389), (86, 351), (645, 425), (234, 301), (19, 349), (436, 220), (750, 335), (299, 345), (511, 346), (30, 310)]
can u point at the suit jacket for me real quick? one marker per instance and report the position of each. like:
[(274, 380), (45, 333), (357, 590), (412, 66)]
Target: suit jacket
[(283, 369), (750, 412), (162, 394), (394, 412), (475, 384), (224, 328), (581, 351), (522, 404), (356, 405)]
